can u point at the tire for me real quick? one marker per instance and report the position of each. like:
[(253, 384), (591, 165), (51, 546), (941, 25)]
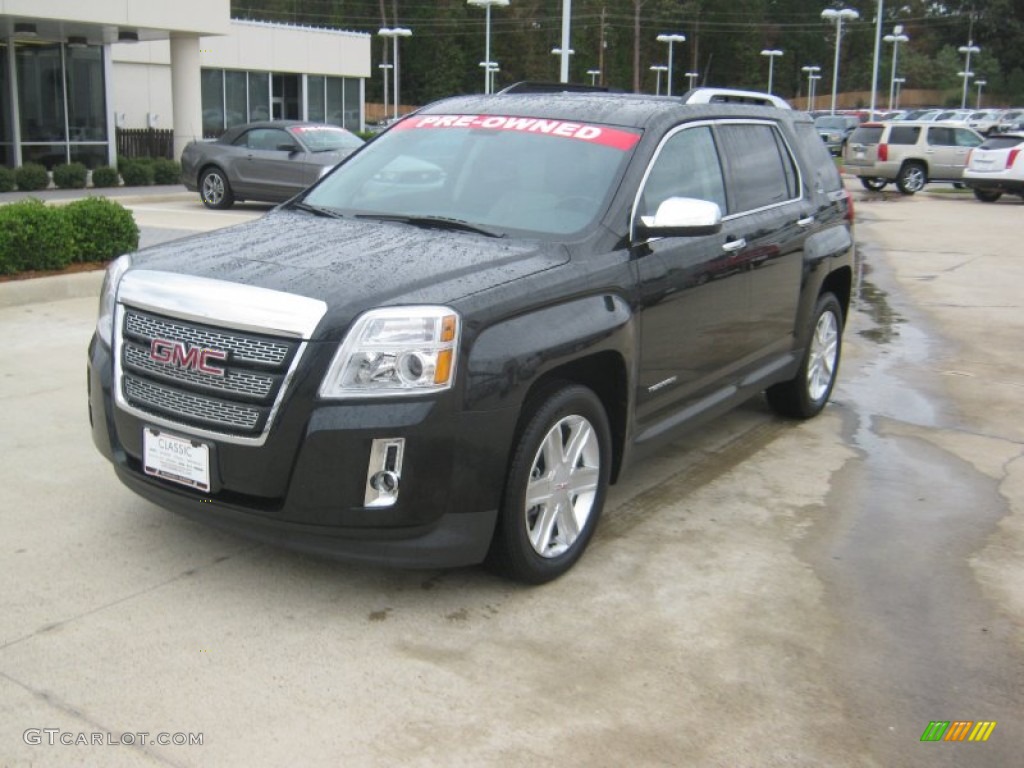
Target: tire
[(806, 394), (987, 195), (912, 178), (214, 189), (959, 185), (553, 500), (873, 184)]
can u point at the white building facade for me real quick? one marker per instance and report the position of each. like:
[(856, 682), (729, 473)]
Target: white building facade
[(71, 72)]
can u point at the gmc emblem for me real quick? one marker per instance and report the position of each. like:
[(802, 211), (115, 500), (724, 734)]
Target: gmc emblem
[(191, 358)]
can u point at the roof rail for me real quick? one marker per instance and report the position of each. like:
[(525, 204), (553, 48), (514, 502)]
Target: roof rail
[(529, 86), (733, 96)]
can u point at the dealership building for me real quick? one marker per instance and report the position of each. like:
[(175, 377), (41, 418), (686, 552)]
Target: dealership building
[(73, 72)]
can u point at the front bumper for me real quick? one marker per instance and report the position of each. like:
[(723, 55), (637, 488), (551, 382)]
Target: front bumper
[(305, 487)]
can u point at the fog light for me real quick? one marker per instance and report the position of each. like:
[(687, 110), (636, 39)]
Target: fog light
[(384, 473)]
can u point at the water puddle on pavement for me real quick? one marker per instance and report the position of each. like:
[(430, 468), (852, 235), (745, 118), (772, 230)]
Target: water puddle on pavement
[(915, 638)]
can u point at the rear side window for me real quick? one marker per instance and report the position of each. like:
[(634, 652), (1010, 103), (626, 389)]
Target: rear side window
[(1002, 142), (904, 134), (941, 137), (762, 169), (867, 134), (825, 175)]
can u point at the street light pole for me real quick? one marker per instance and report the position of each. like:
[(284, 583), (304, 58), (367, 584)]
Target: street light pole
[(967, 50), (981, 84), (812, 71), (814, 88), (671, 40), (658, 69), (899, 87), (486, 5), (384, 71), (771, 53), (691, 78), (394, 33), (895, 38), (876, 56), (831, 14), (594, 74)]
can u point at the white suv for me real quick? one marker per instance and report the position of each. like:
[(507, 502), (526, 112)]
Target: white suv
[(911, 154), (997, 167)]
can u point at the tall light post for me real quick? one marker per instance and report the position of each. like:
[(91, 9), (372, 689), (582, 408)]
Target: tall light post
[(967, 50), (594, 74), (486, 5), (658, 69), (565, 50), (771, 53), (490, 67), (895, 38), (563, 54), (981, 84), (814, 88), (384, 72), (875, 57), (837, 16), (691, 78), (671, 40), (899, 87), (394, 33), (812, 71)]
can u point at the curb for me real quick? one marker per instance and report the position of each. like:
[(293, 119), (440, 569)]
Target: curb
[(79, 285)]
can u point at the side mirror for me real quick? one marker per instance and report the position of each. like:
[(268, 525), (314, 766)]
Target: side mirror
[(287, 148), (681, 217)]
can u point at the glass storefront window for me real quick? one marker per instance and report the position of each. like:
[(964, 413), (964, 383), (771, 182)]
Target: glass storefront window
[(351, 104), (212, 85), (235, 98), (40, 92), (87, 107), (259, 95), (92, 156), (336, 101), (315, 98)]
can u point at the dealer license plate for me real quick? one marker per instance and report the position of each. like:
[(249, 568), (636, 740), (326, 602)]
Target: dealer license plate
[(177, 459)]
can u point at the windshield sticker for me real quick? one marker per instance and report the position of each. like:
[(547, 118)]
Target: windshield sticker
[(594, 134)]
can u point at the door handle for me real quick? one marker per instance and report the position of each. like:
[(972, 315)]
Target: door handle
[(731, 246), (805, 222)]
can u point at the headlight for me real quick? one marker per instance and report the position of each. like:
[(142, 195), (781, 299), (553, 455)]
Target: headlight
[(108, 296), (396, 351)]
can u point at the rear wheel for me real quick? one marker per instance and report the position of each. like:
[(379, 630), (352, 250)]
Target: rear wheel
[(556, 485), (912, 178), (987, 195), (872, 184), (805, 394), (214, 189)]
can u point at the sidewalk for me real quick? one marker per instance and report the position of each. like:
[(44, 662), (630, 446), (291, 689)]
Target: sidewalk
[(124, 195)]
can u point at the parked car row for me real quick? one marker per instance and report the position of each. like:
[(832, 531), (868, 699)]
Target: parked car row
[(912, 154), (984, 121)]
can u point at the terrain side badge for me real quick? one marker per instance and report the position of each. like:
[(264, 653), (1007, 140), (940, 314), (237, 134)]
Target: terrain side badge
[(180, 355)]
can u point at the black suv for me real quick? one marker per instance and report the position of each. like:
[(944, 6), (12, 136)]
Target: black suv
[(445, 350)]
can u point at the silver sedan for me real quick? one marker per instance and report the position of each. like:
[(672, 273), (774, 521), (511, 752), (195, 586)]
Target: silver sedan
[(269, 161)]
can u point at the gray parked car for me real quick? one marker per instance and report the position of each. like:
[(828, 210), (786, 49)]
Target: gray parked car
[(270, 161), (835, 130)]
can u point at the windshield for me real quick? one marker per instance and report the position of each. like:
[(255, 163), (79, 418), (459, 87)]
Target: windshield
[(502, 173), (326, 138), (839, 123)]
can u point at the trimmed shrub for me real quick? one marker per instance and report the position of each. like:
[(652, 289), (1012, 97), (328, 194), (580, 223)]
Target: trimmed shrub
[(136, 173), (31, 177), (70, 175), (105, 176), (33, 236), (166, 171), (7, 180), (101, 229)]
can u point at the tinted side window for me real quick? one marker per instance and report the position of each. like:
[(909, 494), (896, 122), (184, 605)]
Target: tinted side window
[(870, 134), (824, 174), (904, 134), (264, 138), (941, 137), (965, 138), (762, 169), (686, 166)]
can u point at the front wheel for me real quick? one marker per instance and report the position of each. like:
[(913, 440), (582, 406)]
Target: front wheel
[(556, 485), (987, 195), (912, 178), (872, 184), (214, 189), (805, 394)]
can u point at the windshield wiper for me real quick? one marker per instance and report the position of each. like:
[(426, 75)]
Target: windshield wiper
[(316, 209), (432, 222)]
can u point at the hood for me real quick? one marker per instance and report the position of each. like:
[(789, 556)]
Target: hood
[(353, 265)]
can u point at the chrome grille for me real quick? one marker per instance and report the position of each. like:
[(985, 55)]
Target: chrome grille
[(241, 347), (252, 386), (176, 403), (239, 403)]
